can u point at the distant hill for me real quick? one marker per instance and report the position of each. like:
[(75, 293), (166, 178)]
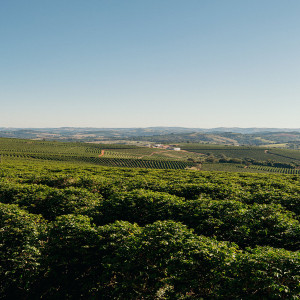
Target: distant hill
[(287, 139), (221, 135)]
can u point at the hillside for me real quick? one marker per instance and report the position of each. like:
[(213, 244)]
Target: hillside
[(100, 154), (274, 139), (192, 155), (284, 138)]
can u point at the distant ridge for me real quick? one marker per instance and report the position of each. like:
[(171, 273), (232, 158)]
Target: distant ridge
[(282, 137), (155, 129)]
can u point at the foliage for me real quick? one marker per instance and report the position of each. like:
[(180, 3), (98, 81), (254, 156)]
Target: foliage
[(167, 261), (266, 273), (21, 239), (140, 206), (121, 233)]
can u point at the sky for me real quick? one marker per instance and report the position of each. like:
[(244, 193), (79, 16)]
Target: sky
[(141, 63)]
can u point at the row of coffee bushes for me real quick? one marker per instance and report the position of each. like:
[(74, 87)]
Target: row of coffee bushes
[(70, 231), (247, 224), (72, 258)]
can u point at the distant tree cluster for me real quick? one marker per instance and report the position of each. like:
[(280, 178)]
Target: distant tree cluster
[(222, 158)]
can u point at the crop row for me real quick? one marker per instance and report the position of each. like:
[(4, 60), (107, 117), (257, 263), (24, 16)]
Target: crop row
[(71, 256), (290, 154), (56, 147), (141, 163), (264, 224), (280, 155), (113, 162), (68, 229), (275, 170)]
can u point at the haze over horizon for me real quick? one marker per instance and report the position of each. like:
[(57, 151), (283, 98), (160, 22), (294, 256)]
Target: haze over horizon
[(114, 64), (149, 127)]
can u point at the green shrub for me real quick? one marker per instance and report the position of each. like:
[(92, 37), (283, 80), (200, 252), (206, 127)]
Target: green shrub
[(258, 224), (75, 257), (50, 202), (265, 273), (140, 206), (167, 261), (21, 241)]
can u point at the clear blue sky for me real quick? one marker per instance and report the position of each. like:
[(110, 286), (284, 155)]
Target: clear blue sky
[(193, 63)]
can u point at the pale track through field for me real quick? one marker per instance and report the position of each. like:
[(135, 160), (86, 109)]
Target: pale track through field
[(102, 153)]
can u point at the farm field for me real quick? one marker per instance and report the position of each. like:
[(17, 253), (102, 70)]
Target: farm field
[(196, 156), (230, 168), (230, 151), (74, 228), (274, 170), (150, 150), (248, 169), (151, 153), (99, 154), (290, 154), (251, 157), (233, 136)]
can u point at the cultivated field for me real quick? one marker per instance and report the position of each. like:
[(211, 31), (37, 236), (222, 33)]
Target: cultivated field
[(69, 229)]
